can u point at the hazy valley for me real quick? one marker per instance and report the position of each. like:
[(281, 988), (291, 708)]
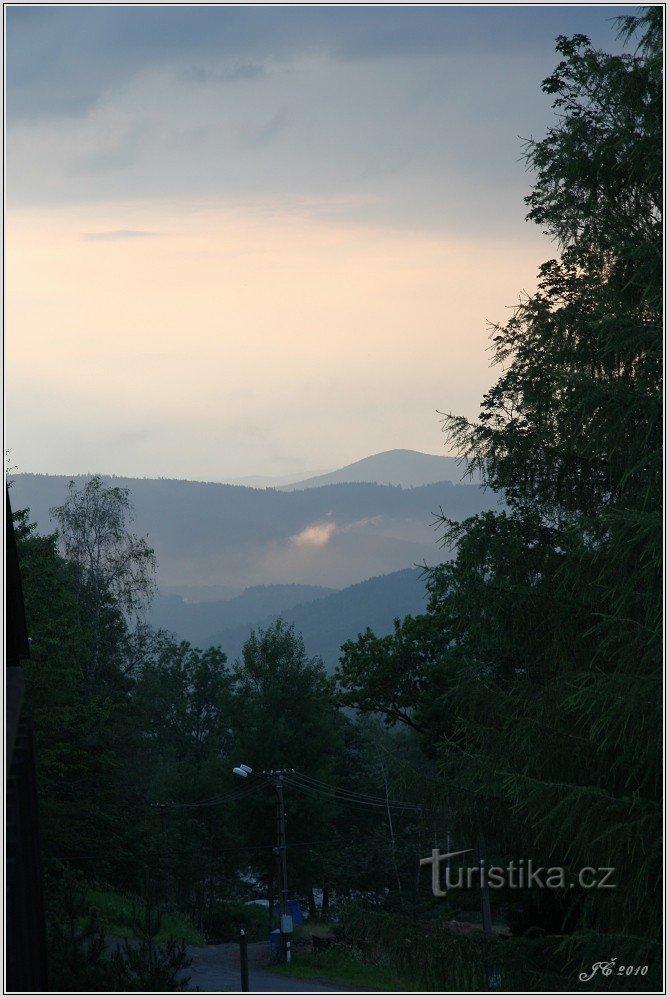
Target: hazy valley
[(331, 554)]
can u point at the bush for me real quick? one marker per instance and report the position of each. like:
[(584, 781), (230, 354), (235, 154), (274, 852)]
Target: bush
[(429, 953), (144, 965), (115, 913), (77, 960), (228, 917)]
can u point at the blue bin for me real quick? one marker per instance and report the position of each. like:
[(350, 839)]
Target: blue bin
[(274, 942)]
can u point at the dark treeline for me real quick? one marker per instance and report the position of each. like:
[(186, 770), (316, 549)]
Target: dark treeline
[(535, 677), (137, 735), (522, 711)]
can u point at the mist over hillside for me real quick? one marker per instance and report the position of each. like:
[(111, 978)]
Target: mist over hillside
[(270, 481), (326, 623), (195, 622), (209, 535)]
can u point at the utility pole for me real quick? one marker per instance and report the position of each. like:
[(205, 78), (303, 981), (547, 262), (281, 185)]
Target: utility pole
[(492, 979), (485, 887), (276, 779), (243, 961), (160, 808)]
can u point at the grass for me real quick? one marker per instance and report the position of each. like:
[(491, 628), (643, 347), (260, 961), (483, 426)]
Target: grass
[(114, 912), (341, 966)]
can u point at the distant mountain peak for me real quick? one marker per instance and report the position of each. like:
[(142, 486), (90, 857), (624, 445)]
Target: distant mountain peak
[(407, 468)]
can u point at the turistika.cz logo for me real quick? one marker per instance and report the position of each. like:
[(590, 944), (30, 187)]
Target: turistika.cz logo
[(517, 874)]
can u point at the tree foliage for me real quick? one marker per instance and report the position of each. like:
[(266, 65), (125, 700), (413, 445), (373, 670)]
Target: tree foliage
[(284, 719), (396, 674), (547, 675), (111, 562)]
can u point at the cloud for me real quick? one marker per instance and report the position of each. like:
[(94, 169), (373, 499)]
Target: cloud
[(359, 138), (203, 74), (116, 150), (116, 234), (263, 133), (62, 60), (318, 535), (403, 117)]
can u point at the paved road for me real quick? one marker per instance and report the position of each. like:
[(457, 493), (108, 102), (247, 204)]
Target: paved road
[(216, 968)]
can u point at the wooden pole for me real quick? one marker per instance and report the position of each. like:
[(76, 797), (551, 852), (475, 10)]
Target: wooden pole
[(243, 960)]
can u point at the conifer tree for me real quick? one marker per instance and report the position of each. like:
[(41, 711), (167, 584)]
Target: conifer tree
[(547, 679)]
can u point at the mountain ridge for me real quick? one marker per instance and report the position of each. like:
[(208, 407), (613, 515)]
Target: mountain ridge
[(194, 621), (326, 623), (401, 466), (213, 536)]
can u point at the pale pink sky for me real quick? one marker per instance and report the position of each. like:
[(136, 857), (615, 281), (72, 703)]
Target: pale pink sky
[(231, 342), (263, 240)]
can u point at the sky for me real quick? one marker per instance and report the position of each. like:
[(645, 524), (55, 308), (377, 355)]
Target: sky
[(264, 240)]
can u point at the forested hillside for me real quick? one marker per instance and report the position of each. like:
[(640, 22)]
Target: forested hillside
[(194, 622), (207, 535), (326, 623)]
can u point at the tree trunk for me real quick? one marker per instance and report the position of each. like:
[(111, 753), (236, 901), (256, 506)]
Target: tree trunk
[(325, 906), (311, 901)]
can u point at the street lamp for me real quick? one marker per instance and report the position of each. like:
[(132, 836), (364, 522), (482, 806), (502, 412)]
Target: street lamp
[(275, 779)]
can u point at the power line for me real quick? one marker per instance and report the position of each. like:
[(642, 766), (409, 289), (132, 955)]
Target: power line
[(212, 801), (351, 794), (318, 784), (345, 798), (307, 784)]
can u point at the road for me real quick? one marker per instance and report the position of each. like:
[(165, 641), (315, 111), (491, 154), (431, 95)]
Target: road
[(216, 968)]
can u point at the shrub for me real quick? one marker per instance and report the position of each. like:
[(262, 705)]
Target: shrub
[(228, 917)]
